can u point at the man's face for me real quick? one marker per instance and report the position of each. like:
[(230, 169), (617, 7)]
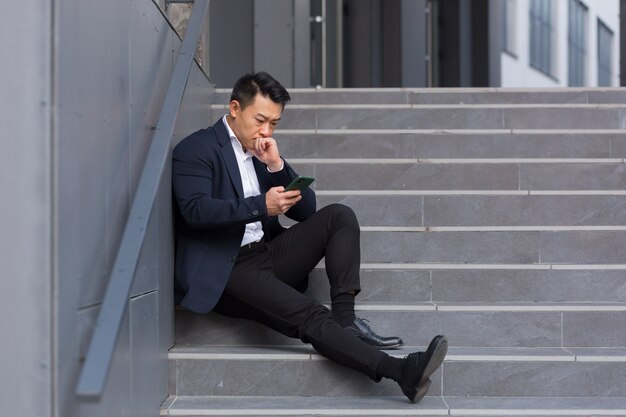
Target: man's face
[(257, 120)]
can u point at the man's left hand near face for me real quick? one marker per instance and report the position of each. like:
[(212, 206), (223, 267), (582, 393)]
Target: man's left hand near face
[(266, 151)]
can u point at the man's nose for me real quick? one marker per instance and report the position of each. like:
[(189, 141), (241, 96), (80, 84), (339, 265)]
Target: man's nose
[(266, 130)]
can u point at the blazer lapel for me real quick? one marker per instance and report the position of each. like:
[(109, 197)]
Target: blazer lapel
[(228, 155), (262, 175)]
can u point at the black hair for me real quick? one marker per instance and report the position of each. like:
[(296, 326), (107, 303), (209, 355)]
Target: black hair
[(247, 87)]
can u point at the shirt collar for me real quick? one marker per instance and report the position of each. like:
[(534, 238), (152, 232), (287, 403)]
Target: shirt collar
[(233, 139)]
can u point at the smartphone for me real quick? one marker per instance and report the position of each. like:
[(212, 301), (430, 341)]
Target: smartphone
[(300, 183)]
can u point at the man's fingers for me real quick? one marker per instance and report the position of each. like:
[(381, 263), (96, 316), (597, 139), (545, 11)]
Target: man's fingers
[(291, 194), (287, 205), (258, 148), (262, 143), (288, 202), (279, 201)]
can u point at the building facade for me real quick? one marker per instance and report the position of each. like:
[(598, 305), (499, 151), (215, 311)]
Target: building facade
[(559, 43), (418, 43)]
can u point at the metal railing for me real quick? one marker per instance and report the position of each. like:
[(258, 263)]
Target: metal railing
[(95, 370)]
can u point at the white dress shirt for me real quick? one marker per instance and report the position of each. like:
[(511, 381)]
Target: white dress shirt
[(250, 182)]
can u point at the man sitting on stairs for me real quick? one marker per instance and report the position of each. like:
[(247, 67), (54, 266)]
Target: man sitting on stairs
[(233, 256)]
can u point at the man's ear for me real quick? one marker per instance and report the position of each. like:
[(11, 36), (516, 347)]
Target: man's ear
[(234, 108)]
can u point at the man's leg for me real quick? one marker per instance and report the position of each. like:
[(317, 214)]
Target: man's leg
[(332, 232), (254, 292)]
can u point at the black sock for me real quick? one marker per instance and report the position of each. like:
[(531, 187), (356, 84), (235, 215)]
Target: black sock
[(390, 367), (343, 309)]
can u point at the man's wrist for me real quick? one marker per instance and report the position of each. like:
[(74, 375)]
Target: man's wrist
[(276, 167)]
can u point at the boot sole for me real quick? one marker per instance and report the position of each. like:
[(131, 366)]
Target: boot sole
[(437, 350), (440, 349), (422, 389)]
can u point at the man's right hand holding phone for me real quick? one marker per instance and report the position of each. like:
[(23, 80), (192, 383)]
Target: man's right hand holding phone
[(278, 201)]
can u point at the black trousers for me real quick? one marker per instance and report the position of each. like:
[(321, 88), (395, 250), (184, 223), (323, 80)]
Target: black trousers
[(267, 281)]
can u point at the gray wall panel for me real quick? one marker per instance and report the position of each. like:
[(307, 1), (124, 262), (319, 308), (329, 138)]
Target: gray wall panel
[(160, 4), (195, 111), (116, 400), (145, 356), (165, 270), (230, 40), (113, 60), (25, 212), (273, 39), (302, 43), (80, 194), (93, 137), (151, 57), (413, 39), (114, 75), (112, 80), (146, 274), (193, 115)]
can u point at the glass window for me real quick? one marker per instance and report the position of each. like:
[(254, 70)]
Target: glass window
[(576, 43), (605, 58), (541, 32)]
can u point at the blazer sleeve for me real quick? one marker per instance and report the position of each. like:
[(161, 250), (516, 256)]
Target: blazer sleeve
[(202, 197)]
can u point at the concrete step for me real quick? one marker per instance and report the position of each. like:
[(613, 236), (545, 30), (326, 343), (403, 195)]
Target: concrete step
[(410, 116), (300, 371), (452, 144), (405, 286), (445, 96), (487, 247), (448, 175), (391, 406), (465, 324), (481, 210)]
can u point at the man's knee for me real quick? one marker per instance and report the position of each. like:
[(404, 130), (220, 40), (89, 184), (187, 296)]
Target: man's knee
[(342, 214)]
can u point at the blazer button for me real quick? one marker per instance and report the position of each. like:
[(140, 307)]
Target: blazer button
[(255, 212), (231, 259)]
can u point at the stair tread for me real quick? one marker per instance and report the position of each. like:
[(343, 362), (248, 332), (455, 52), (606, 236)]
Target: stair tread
[(485, 306), (490, 306), (309, 405), (545, 326), (393, 406), (306, 352), (453, 105)]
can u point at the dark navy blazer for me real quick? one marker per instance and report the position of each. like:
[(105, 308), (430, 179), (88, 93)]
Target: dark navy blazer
[(211, 213)]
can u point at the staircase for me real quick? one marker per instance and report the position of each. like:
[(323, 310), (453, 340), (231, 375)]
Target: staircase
[(495, 217)]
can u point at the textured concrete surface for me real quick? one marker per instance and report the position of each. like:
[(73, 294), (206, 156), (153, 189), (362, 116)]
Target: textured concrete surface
[(533, 309)]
